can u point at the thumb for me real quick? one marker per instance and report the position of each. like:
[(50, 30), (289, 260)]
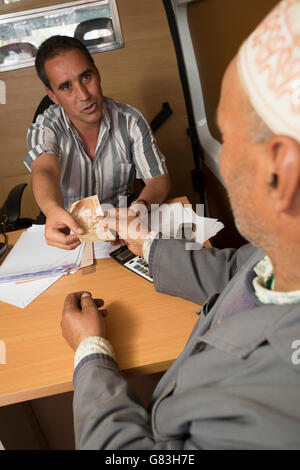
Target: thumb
[(107, 221), (73, 225)]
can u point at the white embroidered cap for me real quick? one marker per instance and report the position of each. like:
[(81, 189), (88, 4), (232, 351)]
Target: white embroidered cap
[(269, 68)]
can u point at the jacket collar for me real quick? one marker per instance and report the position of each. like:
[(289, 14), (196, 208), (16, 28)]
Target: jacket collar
[(243, 332)]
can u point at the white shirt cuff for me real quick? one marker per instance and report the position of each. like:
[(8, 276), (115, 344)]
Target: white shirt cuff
[(147, 245), (93, 345)]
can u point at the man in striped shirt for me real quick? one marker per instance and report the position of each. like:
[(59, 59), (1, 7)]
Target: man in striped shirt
[(86, 144)]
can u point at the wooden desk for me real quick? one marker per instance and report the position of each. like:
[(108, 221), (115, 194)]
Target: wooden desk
[(148, 331)]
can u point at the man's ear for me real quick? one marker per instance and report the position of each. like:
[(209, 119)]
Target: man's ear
[(51, 95), (284, 170)]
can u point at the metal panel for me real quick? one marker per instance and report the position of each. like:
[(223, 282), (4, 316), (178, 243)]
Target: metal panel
[(209, 144)]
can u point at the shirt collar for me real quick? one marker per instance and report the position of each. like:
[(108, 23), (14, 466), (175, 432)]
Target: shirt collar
[(105, 115), (241, 333), (264, 271), (66, 119)]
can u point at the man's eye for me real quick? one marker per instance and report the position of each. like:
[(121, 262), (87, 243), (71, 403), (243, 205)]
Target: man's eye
[(86, 75), (66, 87)]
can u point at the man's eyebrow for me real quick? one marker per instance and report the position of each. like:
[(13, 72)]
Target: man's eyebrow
[(84, 72), (67, 82)]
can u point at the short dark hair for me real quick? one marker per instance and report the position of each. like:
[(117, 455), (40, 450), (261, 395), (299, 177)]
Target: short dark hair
[(53, 47)]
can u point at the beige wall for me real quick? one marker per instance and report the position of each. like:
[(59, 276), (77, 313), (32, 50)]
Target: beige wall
[(143, 73)]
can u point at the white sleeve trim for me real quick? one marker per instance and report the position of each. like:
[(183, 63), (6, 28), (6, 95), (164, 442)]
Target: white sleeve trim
[(93, 345)]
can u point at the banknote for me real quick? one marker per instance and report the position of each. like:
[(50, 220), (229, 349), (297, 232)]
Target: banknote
[(85, 212)]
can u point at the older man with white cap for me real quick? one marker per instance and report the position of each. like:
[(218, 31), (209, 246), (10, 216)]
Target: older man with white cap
[(236, 384)]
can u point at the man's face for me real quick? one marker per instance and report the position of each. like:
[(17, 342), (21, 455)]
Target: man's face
[(241, 160), (76, 87)]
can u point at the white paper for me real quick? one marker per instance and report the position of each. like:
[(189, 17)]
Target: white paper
[(102, 249), (22, 294), (31, 256), (173, 219)]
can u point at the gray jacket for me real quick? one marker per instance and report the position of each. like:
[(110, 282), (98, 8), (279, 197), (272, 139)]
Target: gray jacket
[(235, 385)]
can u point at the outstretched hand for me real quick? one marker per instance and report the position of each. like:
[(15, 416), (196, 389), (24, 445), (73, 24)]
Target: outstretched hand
[(128, 227), (59, 224)]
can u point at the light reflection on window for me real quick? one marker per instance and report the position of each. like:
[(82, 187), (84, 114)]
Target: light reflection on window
[(95, 23)]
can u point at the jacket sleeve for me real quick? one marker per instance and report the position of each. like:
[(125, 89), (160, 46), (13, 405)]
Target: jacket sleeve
[(107, 414), (256, 413), (193, 274)]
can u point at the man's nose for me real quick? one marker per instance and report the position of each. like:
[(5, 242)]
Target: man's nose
[(82, 92)]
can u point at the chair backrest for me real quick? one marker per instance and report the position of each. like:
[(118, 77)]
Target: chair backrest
[(95, 31), (44, 104), (10, 211)]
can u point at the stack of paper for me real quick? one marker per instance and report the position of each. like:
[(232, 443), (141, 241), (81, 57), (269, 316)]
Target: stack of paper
[(31, 257), (32, 266)]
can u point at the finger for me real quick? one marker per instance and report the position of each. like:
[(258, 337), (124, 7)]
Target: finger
[(103, 313), (59, 237), (72, 301), (87, 301), (64, 246), (99, 302), (133, 212), (116, 242), (72, 224)]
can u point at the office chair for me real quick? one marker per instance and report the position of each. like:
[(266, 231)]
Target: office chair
[(3, 244), (10, 211), (96, 25), (44, 104)]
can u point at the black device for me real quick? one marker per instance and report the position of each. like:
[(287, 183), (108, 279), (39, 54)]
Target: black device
[(135, 263), (3, 245)]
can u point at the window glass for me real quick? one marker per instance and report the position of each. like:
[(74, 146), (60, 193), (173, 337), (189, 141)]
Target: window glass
[(95, 23)]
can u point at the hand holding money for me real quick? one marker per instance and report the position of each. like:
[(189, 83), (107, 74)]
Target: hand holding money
[(59, 225), (84, 212)]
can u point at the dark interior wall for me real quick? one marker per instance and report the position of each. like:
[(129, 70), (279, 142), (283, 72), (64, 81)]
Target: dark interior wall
[(218, 27)]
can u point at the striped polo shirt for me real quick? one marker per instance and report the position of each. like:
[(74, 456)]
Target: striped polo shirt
[(125, 149)]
